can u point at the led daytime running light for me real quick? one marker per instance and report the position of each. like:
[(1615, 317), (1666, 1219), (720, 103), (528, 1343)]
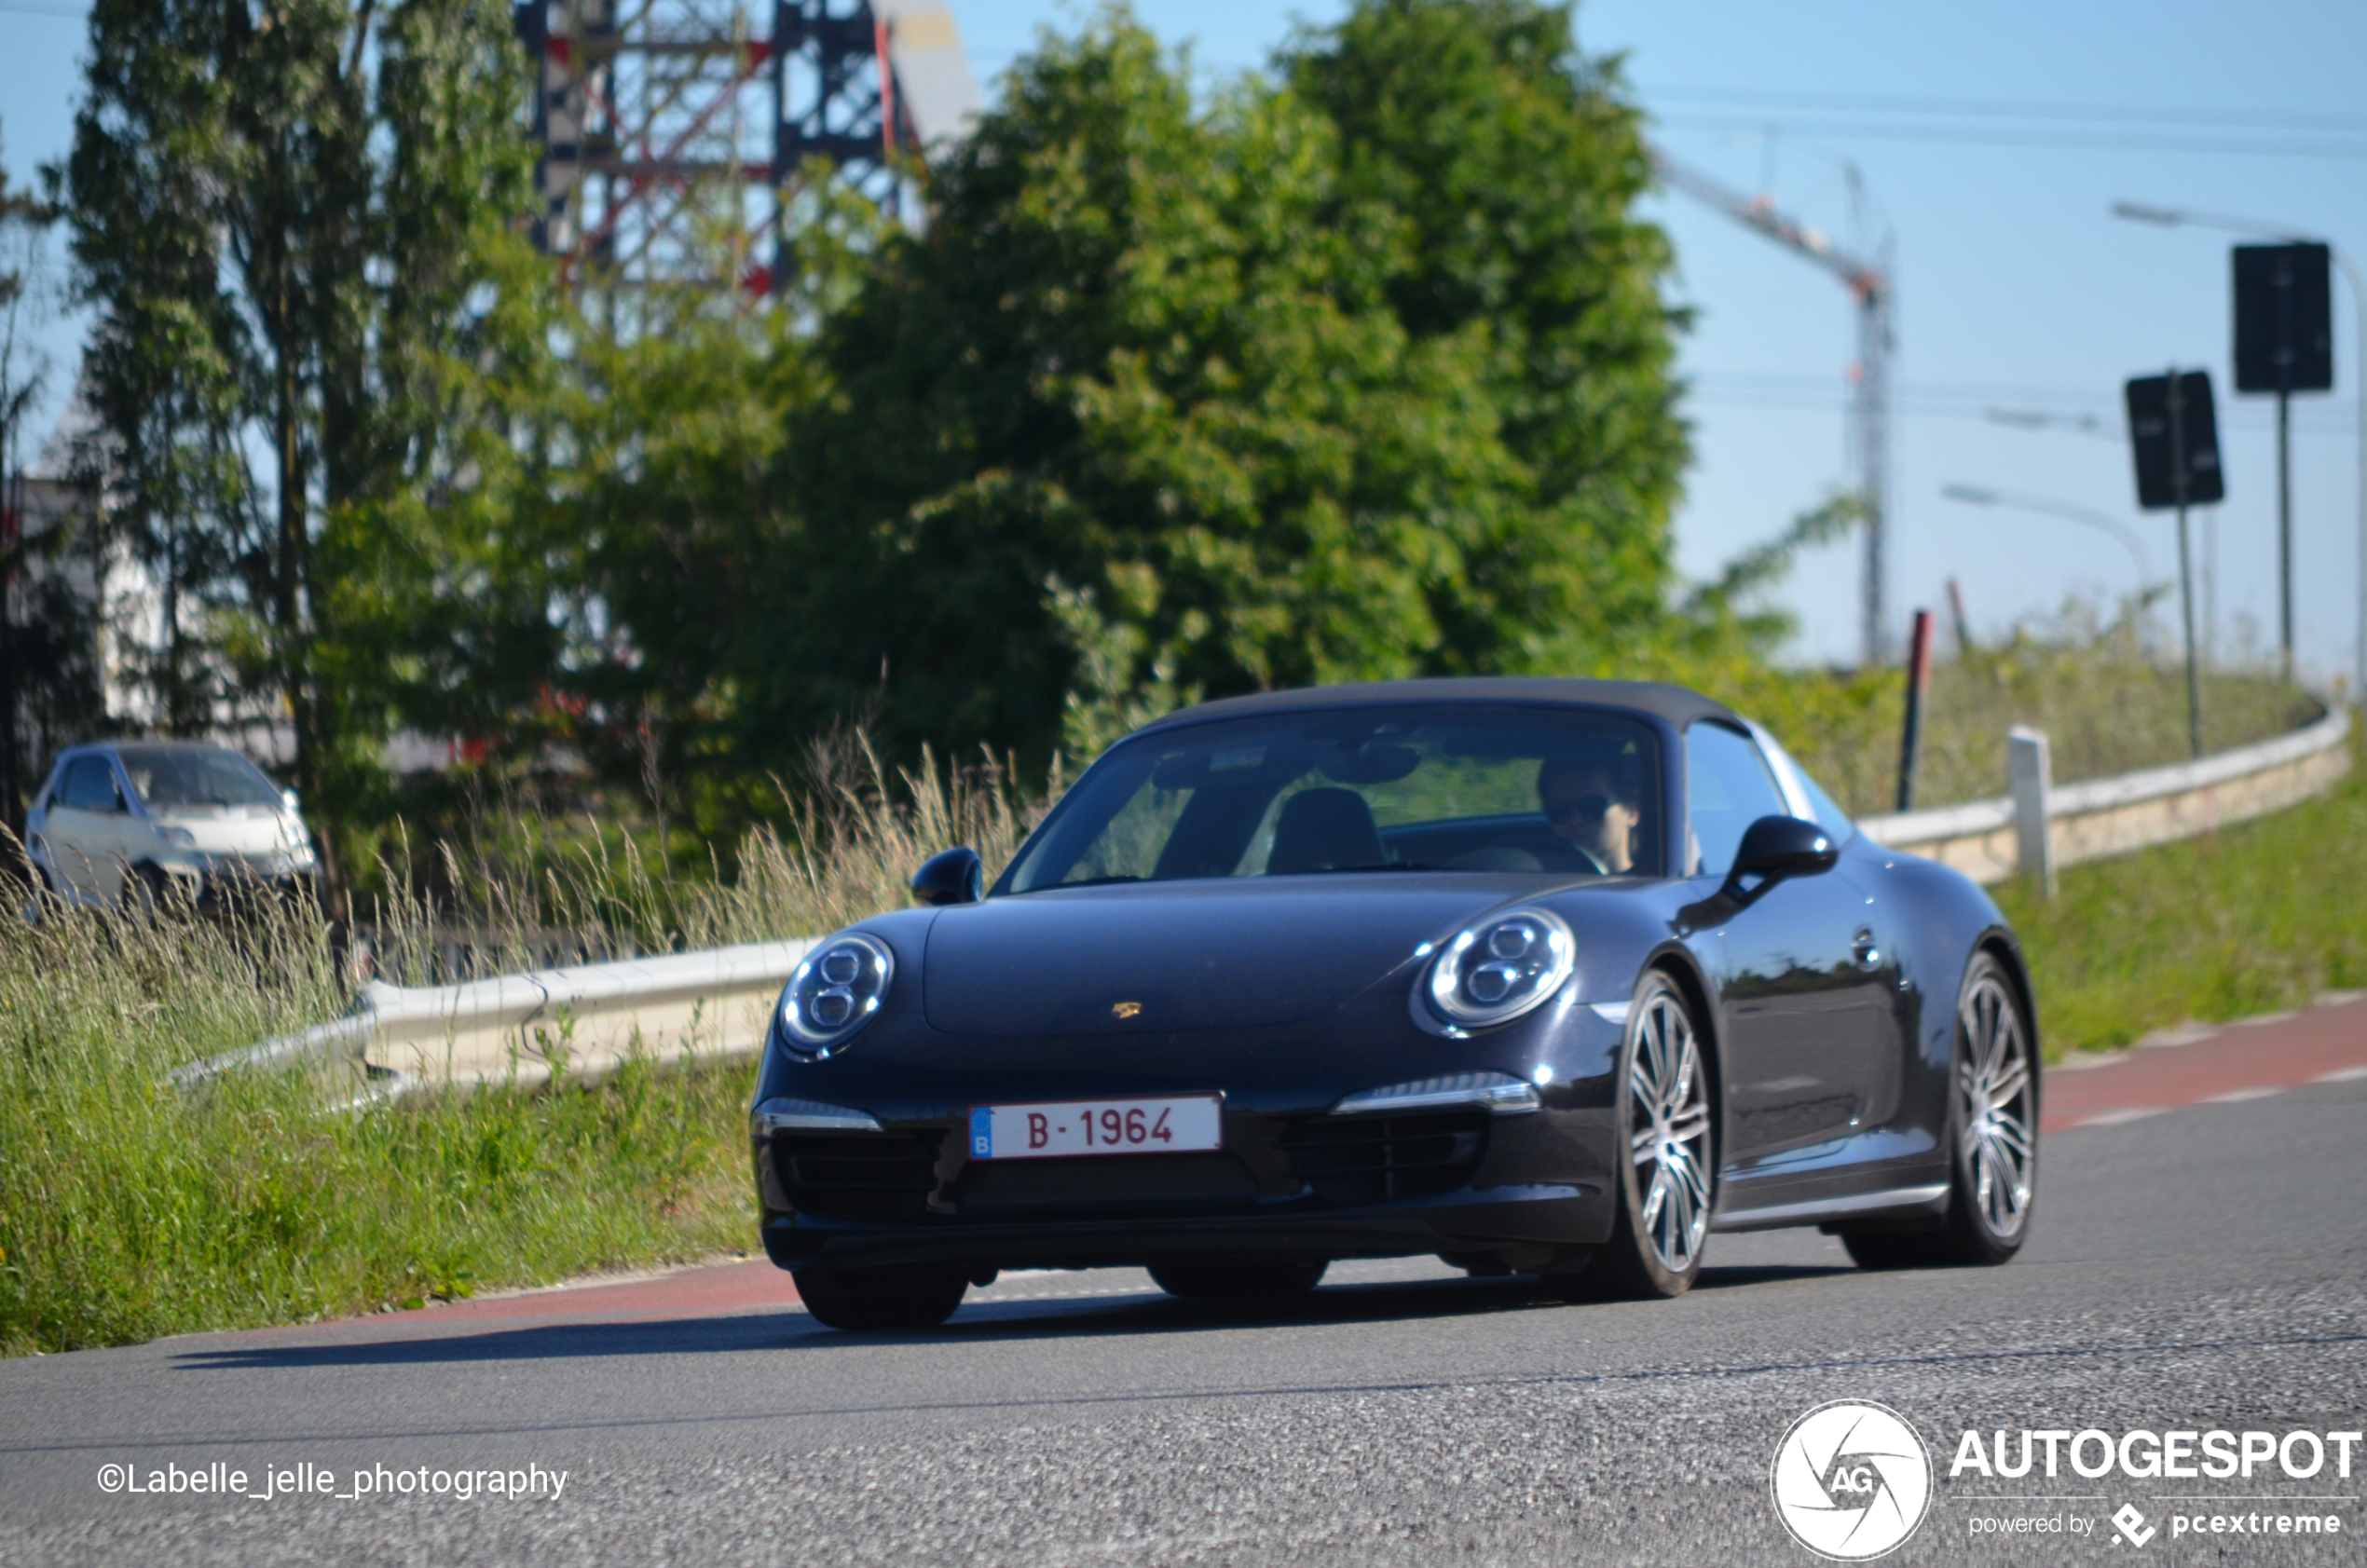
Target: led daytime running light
[(1497, 970), (834, 993)]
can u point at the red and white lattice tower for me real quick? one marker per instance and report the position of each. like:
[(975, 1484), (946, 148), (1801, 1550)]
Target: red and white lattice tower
[(671, 130)]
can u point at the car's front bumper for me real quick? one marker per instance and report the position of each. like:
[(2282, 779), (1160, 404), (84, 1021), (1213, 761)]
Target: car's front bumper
[(227, 882), (1522, 1191)]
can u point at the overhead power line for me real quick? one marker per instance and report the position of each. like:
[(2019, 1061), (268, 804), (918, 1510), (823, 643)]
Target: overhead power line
[(2007, 137), (1966, 108)]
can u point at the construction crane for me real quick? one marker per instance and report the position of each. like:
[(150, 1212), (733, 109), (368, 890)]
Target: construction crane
[(1874, 290)]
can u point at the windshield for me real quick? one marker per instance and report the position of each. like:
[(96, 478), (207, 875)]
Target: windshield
[(175, 778), (1362, 789)]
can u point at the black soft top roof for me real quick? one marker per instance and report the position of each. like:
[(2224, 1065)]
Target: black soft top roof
[(1676, 704)]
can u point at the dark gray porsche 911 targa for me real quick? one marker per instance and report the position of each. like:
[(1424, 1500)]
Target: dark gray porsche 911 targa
[(1544, 976)]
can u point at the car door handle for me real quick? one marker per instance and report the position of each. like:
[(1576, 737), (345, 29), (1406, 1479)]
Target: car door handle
[(1866, 950)]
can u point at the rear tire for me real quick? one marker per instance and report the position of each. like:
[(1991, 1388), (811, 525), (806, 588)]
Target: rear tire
[(1236, 1278), (1667, 1152), (880, 1299), (1992, 1133)]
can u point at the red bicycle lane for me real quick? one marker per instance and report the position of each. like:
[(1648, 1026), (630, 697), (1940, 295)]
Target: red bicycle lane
[(2202, 1064)]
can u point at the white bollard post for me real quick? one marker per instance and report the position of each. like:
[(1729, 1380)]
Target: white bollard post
[(2027, 761)]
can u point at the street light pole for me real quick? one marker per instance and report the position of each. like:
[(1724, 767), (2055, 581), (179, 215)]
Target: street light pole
[(2173, 217), (1980, 494)]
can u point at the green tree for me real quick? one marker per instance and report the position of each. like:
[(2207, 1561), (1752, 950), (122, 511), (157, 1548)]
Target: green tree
[(1176, 399), (292, 218), (38, 658), (1508, 164)]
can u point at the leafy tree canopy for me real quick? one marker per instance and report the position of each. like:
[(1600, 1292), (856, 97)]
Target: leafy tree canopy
[(1355, 372), (293, 221)]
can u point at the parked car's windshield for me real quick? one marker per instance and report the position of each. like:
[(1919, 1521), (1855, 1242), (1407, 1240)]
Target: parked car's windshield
[(172, 778), (1361, 789)]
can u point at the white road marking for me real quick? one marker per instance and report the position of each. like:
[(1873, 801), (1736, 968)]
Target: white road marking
[(2134, 1113), (2237, 1097), (2341, 1075), (2184, 1034)]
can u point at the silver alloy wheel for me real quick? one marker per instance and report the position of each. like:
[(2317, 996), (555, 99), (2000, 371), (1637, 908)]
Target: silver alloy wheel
[(1668, 1132), (1994, 1086)]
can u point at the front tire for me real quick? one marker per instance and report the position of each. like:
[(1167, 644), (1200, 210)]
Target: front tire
[(1668, 1149), (1992, 1136), (877, 1301)]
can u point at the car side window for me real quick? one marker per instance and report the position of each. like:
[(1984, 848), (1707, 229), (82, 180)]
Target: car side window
[(1822, 809), (91, 786), (1727, 788)]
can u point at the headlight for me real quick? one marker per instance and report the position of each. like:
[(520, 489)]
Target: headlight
[(1499, 969), (834, 993)]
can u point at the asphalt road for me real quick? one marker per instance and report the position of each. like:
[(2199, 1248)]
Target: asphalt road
[(2199, 1262)]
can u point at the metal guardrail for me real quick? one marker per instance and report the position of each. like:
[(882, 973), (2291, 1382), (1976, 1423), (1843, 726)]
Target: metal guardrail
[(583, 1021), (2041, 827)]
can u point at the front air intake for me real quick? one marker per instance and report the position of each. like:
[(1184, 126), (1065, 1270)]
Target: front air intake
[(1355, 1160), (857, 1175)]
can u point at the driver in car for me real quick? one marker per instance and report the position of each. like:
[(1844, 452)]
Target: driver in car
[(1590, 803)]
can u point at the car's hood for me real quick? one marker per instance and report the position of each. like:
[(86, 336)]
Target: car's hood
[(1216, 954), (235, 831)]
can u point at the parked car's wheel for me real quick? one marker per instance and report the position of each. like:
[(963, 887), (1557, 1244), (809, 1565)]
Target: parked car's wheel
[(149, 891), (1236, 1277), (879, 1299), (1669, 1178), (1993, 1129)]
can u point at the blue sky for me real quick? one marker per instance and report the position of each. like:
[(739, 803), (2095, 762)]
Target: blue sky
[(1994, 138)]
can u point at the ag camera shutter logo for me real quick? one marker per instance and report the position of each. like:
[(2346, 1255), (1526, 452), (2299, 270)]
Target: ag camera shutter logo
[(1852, 1480)]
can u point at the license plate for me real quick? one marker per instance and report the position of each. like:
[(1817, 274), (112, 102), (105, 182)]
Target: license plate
[(1096, 1127)]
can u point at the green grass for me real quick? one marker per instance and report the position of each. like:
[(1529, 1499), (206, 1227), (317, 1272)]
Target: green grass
[(130, 1210), (2259, 918), (2106, 709)]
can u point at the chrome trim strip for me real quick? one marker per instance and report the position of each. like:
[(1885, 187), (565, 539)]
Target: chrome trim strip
[(805, 1115), (1933, 1197), (1507, 1096)]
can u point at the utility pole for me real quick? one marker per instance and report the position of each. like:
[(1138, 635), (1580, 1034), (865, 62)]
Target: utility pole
[(2173, 437), (2181, 479), (1874, 291)]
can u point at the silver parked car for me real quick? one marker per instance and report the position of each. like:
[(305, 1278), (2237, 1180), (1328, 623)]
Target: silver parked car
[(165, 820)]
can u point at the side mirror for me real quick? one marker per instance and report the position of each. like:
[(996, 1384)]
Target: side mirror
[(953, 877), (1779, 847)]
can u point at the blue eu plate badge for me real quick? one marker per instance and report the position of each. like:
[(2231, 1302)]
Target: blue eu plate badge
[(982, 1132)]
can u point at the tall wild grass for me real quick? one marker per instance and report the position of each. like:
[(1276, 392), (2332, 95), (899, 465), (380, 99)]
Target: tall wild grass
[(130, 1209)]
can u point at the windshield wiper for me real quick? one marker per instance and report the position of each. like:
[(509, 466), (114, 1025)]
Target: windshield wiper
[(1094, 882)]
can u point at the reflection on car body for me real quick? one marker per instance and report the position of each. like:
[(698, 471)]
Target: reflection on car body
[(1544, 976)]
